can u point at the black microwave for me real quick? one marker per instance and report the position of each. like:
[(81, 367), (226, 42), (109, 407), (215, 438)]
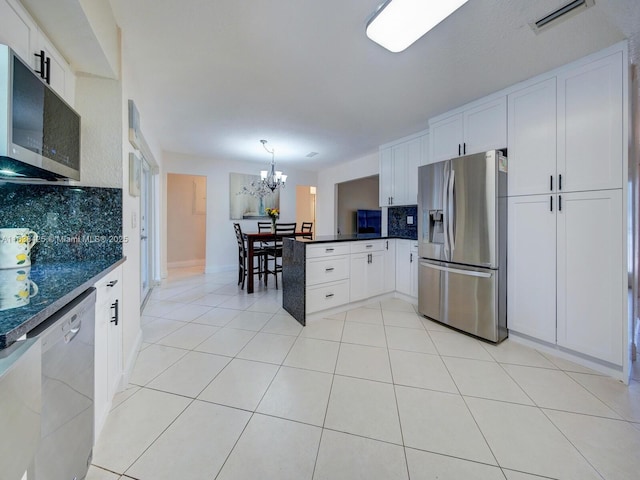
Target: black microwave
[(39, 131)]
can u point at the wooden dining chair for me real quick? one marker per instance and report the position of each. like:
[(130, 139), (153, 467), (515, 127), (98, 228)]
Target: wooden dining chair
[(307, 227), (274, 250), (243, 255)]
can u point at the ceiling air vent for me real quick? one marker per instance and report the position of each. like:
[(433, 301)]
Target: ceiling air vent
[(572, 8)]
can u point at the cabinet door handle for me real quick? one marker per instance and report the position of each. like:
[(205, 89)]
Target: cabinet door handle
[(329, 250), (116, 315), (387, 246), (328, 295), (112, 283), (464, 148), (560, 182), (551, 183), (329, 269), (369, 246), (411, 258), (551, 203), (458, 149), (559, 203)]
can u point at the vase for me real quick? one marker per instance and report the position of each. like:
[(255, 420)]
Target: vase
[(273, 225)]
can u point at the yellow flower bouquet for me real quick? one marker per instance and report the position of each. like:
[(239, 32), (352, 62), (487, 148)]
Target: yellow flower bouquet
[(274, 213)]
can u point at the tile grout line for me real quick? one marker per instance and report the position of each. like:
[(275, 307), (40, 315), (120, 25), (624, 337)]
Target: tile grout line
[(326, 410), (475, 421), (395, 396)]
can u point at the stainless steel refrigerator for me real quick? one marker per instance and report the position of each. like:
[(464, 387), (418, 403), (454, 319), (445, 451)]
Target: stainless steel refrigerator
[(462, 215)]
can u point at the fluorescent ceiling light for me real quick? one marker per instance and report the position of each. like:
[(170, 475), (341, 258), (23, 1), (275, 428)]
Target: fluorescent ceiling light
[(399, 23)]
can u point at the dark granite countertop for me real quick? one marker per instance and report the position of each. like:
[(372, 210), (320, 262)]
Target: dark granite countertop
[(58, 284), (348, 238)]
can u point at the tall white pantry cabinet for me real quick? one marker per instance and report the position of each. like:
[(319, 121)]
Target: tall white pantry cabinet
[(567, 149)]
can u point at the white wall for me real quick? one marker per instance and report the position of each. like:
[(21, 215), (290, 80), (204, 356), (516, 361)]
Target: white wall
[(222, 250), (99, 102), (132, 335), (326, 193)]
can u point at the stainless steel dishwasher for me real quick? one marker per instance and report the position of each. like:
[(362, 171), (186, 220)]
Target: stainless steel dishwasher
[(66, 442)]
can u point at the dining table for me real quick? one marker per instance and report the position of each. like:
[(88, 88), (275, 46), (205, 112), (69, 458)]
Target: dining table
[(254, 237)]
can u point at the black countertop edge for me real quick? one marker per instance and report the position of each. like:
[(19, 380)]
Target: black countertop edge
[(348, 238), (35, 319)]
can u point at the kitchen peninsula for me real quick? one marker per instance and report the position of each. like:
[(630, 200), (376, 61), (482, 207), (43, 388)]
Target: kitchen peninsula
[(327, 273)]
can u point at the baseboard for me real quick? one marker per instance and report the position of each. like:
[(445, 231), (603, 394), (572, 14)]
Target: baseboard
[(222, 269), (187, 263), (594, 364)]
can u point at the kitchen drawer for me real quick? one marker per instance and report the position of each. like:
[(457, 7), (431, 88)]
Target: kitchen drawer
[(331, 269), (107, 285), (327, 249), (327, 295), (363, 246)]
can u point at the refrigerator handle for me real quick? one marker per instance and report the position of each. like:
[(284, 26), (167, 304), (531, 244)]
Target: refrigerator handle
[(450, 210), (445, 216), (469, 273)]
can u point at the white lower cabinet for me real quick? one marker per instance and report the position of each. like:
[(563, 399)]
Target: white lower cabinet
[(566, 279), (407, 267), (414, 260), (343, 272), (327, 295), (592, 284), (108, 344), (367, 269), (531, 266), (327, 276), (389, 265)]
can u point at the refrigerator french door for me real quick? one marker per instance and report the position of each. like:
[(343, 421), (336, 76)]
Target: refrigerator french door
[(462, 212)]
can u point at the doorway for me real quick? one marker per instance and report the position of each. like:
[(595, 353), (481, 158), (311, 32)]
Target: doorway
[(186, 221), (354, 195), (146, 260), (305, 205)]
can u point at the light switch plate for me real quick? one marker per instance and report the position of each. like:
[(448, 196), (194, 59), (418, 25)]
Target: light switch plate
[(410, 220)]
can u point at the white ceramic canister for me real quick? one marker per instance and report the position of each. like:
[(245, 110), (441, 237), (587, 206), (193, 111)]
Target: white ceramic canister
[(15, 247), (16, 288)]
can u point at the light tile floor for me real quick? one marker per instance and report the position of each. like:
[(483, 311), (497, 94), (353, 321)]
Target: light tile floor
[(228, 386)]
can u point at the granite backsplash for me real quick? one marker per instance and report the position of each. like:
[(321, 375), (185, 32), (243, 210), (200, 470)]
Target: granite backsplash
[(73, 223), (397, 225)]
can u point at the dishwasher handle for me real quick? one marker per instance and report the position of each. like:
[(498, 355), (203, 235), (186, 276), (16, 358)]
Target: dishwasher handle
[(71, 334)]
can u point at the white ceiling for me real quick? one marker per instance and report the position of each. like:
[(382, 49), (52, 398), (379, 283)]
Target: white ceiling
[(216, 76)]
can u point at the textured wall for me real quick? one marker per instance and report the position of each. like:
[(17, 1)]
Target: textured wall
[(99, 102)]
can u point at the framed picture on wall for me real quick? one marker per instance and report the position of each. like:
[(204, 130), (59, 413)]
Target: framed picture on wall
[(246, 200), (134, 126), (135, 172)]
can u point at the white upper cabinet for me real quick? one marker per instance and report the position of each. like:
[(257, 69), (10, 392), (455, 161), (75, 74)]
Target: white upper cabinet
[(476, 128), (61, 78), (532, 139), (20, 32), (17, 29), (426, 149), (446, 138), (399, 172), (590, 125)]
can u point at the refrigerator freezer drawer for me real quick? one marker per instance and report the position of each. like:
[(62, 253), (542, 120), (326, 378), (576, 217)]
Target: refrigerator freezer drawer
[(464, 298)]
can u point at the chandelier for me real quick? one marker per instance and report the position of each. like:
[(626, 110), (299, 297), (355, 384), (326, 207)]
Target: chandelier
[(272, 178)]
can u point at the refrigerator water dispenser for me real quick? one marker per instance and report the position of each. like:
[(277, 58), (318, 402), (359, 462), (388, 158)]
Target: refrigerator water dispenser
[(436, 226)]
